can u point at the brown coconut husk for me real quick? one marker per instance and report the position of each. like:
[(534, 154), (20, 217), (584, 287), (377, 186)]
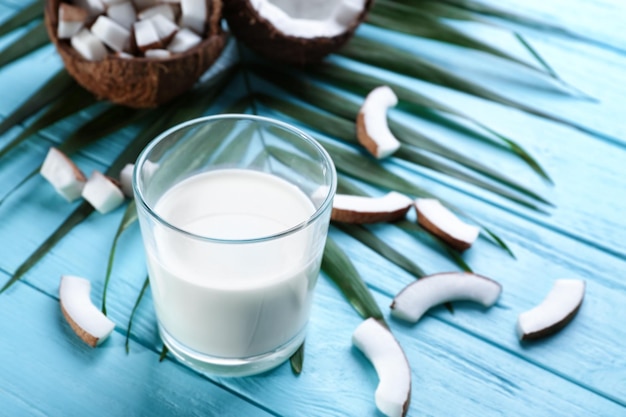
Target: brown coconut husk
[(140, 82), (262, 37)]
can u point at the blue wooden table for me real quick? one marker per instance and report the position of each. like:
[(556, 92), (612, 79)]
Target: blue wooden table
[(468, 363)]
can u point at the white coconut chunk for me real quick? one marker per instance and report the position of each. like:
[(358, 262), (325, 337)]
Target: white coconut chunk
[(194, 15), (554, 312), (393, 393), (418, 297), (183, 41), (157, 53), (87, 321), (66, 178), (146, 35), (358, 209), (372, 128), (93, 7), (88, 45), (327, 18), (71, 20), (164, 10), (438, 220), (126, 180), (123, 13), (111, 33), (102, 193), (165, 28), (124, 55)]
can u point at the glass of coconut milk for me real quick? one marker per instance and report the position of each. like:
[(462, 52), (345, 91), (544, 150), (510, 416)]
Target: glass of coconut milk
[(234, 213)]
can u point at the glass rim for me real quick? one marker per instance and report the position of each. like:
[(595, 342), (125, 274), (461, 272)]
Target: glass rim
[(143, 157)]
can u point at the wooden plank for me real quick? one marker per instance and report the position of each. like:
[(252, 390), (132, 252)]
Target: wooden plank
[(48, 371)]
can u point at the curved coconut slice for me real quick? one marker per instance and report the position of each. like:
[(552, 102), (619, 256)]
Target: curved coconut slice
[(393, 393), (371, 125), (357, 209), (87, 321), (138, 82), (295, 31), (102, 193), (63, 174), (555, 311), (416, 298), (441, 222)]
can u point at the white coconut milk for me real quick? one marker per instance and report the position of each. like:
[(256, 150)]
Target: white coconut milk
[(226, 298)]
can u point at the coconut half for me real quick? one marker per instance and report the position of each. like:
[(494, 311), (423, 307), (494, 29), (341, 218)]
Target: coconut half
[(554, 312), (140, 82), (87, 321), (418, 297), (441, 222), (360, 210), (393, 393), (295, 31)]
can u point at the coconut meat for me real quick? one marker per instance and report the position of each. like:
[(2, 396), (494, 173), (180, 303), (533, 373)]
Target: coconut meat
[(75, 300), (63, 174), (442, 218), (419, 296), (360, 209), (379, 346), (102, 193), (559, 306), (376, 136), (310, 18)]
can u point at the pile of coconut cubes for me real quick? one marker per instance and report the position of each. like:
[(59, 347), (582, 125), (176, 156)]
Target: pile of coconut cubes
[(132, 28)]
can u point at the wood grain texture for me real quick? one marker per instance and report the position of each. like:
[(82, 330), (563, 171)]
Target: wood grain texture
[(468, 363)]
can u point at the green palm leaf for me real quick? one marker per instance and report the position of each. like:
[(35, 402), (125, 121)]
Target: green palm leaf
[(27, 14), (144, 287), (365, 82), (57, 85), (369, 239), (75, 99), (342, 272), (34, 38), (345, 130), (169, 115), (425, 21), (129, 218)]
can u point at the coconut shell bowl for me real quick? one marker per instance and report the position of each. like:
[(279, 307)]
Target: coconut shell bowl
[(134, 66)]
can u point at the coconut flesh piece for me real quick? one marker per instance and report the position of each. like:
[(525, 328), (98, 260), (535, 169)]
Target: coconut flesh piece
[(126, 180), (92, 7), (310, 19), (157, 53), (102, 193), (194, 15), (63, 174), (71, 20), (123, 13), (146, 35), (88, 45), (372, 128), (357, 209), (183, 40), (376, 342), (111, 33), (164, 10), (554, 312), (87, 321), (165, 28), (418, 297), (438, 220)]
